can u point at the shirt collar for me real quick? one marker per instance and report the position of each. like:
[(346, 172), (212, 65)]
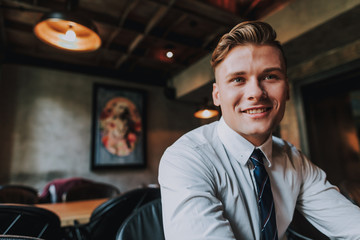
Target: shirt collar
[(240, 148)]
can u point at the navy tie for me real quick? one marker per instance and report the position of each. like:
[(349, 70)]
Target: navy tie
[(265, 197)]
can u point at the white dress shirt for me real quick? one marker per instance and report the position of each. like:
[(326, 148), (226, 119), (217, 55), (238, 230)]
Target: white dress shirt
[(208, 190)]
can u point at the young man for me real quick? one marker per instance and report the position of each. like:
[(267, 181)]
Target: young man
[(209, 179)]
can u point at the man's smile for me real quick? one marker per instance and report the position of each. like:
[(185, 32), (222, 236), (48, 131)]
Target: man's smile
[(256, 110)]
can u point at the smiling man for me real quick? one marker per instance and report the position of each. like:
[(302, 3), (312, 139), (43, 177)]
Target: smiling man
[(251, 88), (232, 179)]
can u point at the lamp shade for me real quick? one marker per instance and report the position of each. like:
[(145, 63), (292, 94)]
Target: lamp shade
[(68, 33), (206, 110), (206, 113)]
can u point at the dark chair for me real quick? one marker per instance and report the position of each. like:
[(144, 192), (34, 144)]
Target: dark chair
[(293, 235), (18, 194), (16, 237), (55, 189), (145, 223), (108, 217), (23, 220), (301, 229), (92, 190)]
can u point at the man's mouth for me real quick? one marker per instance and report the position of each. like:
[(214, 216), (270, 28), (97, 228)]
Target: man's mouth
[(256, 110)]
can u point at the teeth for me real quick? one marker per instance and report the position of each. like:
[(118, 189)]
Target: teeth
[(254, 111)]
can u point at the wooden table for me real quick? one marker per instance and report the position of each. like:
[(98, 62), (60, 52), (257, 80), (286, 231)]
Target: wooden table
[(76, 210)]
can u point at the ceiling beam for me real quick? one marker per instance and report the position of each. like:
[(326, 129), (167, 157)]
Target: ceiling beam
[(152, 23), (124, 14), (120, 25), (173, 25), (205, 11), (45, 62)]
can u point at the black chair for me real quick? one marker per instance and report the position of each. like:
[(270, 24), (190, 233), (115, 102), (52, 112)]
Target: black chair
[(108, 217), (92, 190), (145, 223), (293, 235), (30, 221), (54, 190), (18, 194), (16, 237), (301, 229)]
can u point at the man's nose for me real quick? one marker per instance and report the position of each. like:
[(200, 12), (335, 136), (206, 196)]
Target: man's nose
[(254, 90)]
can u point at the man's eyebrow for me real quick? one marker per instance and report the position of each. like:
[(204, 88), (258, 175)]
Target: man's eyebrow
[(273, 69), (234, 74)]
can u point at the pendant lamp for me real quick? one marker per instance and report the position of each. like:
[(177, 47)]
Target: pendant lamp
[(63, 31), (206, 110)]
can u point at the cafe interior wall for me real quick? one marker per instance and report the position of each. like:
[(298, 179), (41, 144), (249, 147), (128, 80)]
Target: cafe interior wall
[(45, 127)]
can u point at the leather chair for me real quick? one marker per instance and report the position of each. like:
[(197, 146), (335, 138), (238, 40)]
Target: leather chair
[(108, 217), (18, 194), (145, 223), (301, 229), (92, 190), (16, 237), (293, 235), (30, 221), (54, 190)]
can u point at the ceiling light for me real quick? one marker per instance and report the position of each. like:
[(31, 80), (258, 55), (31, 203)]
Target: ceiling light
[(68, 33), (206, 113), (169, 54), (206, 110)]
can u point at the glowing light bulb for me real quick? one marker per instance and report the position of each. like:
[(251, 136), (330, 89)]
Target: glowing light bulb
[(70, 35), (206, 113), (169, 54)]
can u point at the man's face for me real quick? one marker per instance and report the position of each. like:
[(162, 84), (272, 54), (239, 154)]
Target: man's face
[(251, 88)]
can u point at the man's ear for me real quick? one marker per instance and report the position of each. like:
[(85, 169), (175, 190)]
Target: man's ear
[(216, 94)]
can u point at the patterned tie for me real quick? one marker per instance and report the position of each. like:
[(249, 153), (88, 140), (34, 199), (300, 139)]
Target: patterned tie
[(265, 197)]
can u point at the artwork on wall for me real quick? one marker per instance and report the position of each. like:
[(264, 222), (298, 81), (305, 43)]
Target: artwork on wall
[(118, 132)]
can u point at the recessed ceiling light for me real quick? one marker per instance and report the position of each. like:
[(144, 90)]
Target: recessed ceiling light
[(169, 54)]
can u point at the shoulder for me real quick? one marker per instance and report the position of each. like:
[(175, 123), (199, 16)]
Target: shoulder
[(282, 146), (196, 139), (191, 151), (283, 149)]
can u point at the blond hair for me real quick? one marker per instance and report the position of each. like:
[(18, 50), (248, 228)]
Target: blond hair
[(250, 32)]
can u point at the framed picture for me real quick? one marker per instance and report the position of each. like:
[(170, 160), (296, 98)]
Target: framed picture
[(118, 131)]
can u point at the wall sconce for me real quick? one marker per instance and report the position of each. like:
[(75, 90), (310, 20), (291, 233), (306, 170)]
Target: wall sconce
[(206, 110), (67, 32)]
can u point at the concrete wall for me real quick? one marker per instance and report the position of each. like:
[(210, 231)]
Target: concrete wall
[(45, 127)]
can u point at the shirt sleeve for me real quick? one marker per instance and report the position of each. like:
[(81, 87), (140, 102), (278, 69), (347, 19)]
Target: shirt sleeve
[(191, 209), (325, 207)]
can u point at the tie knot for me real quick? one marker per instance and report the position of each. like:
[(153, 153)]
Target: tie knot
[(257, 157)]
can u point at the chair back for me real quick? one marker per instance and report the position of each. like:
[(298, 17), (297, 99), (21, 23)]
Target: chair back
[(145, 223), (302, 229), (16, 237), (108, 217), (18, 194), (24, 220), (293, 235), (92, 190), (54, 190)]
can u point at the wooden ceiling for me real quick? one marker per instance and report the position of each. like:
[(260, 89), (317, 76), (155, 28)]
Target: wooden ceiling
[(136, 34)]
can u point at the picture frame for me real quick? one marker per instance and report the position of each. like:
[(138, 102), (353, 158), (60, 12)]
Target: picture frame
[(118, 127)]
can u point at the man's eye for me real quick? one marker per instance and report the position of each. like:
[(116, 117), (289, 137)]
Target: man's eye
[(271, 77), (238, 80)]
